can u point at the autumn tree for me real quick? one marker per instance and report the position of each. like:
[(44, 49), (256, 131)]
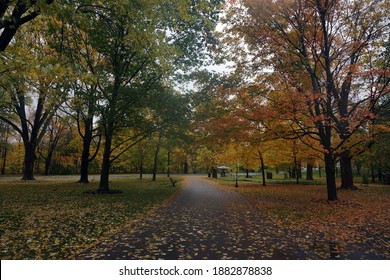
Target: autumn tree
[(209, 106), (5, 137), (379, 152), (167, 111), (87, 63), (325, 50), (33, 90), (53, 139), (139, 156), (238, 117), (170, 114), (124, 64)]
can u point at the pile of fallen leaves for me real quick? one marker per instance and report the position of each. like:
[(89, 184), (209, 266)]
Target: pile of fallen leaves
[(56, 220), (356, 225)]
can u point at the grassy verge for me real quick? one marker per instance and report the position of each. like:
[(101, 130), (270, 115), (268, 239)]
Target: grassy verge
[(359, 219), (259, 180), (55, 220), (280, 179)]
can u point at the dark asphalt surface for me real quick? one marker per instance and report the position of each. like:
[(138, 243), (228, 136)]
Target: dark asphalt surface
[(203, 222)]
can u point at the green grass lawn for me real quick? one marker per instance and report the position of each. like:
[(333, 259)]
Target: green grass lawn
[(55, 220), (259, 180), (279, 178)]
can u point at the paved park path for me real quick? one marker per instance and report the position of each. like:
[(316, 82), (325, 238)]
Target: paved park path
[(203, 221)]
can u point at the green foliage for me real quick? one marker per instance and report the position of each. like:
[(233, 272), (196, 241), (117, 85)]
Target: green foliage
[(113, 58)]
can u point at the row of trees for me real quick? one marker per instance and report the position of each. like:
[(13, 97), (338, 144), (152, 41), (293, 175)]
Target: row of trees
[(316, 72), (107, 65), (310, 83), (60, 151)]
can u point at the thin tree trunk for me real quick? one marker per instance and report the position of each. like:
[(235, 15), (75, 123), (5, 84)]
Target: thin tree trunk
[(48, 162), (5, 152), (358, 168), (155, 165), (262, 167), (330, 177), (169, 163), (296, 170), (4, 159), (379, 173), (299, 169), (141, 170)]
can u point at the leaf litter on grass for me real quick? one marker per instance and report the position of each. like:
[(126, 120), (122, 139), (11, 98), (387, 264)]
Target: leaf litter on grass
[(55, 220), (357, 226)]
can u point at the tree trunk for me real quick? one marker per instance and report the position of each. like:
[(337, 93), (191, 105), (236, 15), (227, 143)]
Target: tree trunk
[(262, 167), (155, 165), (48, 162), (141, 170), (4, 157), (87, 140), (4, 160), (292, 172), (358, 168), (295, 170), (330, 177), (29, 161), (169, 163), (105, 173), (379, 173), (214, 172), (372, 173), (84, 169), (309, 171), (299, 169), (346, 171), (85, 159)]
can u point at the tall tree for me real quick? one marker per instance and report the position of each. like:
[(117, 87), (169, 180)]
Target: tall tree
[(75, 44), (51, 141), (34, 91), (140, 42), (170, 114), (324, 51), (4, 145)]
